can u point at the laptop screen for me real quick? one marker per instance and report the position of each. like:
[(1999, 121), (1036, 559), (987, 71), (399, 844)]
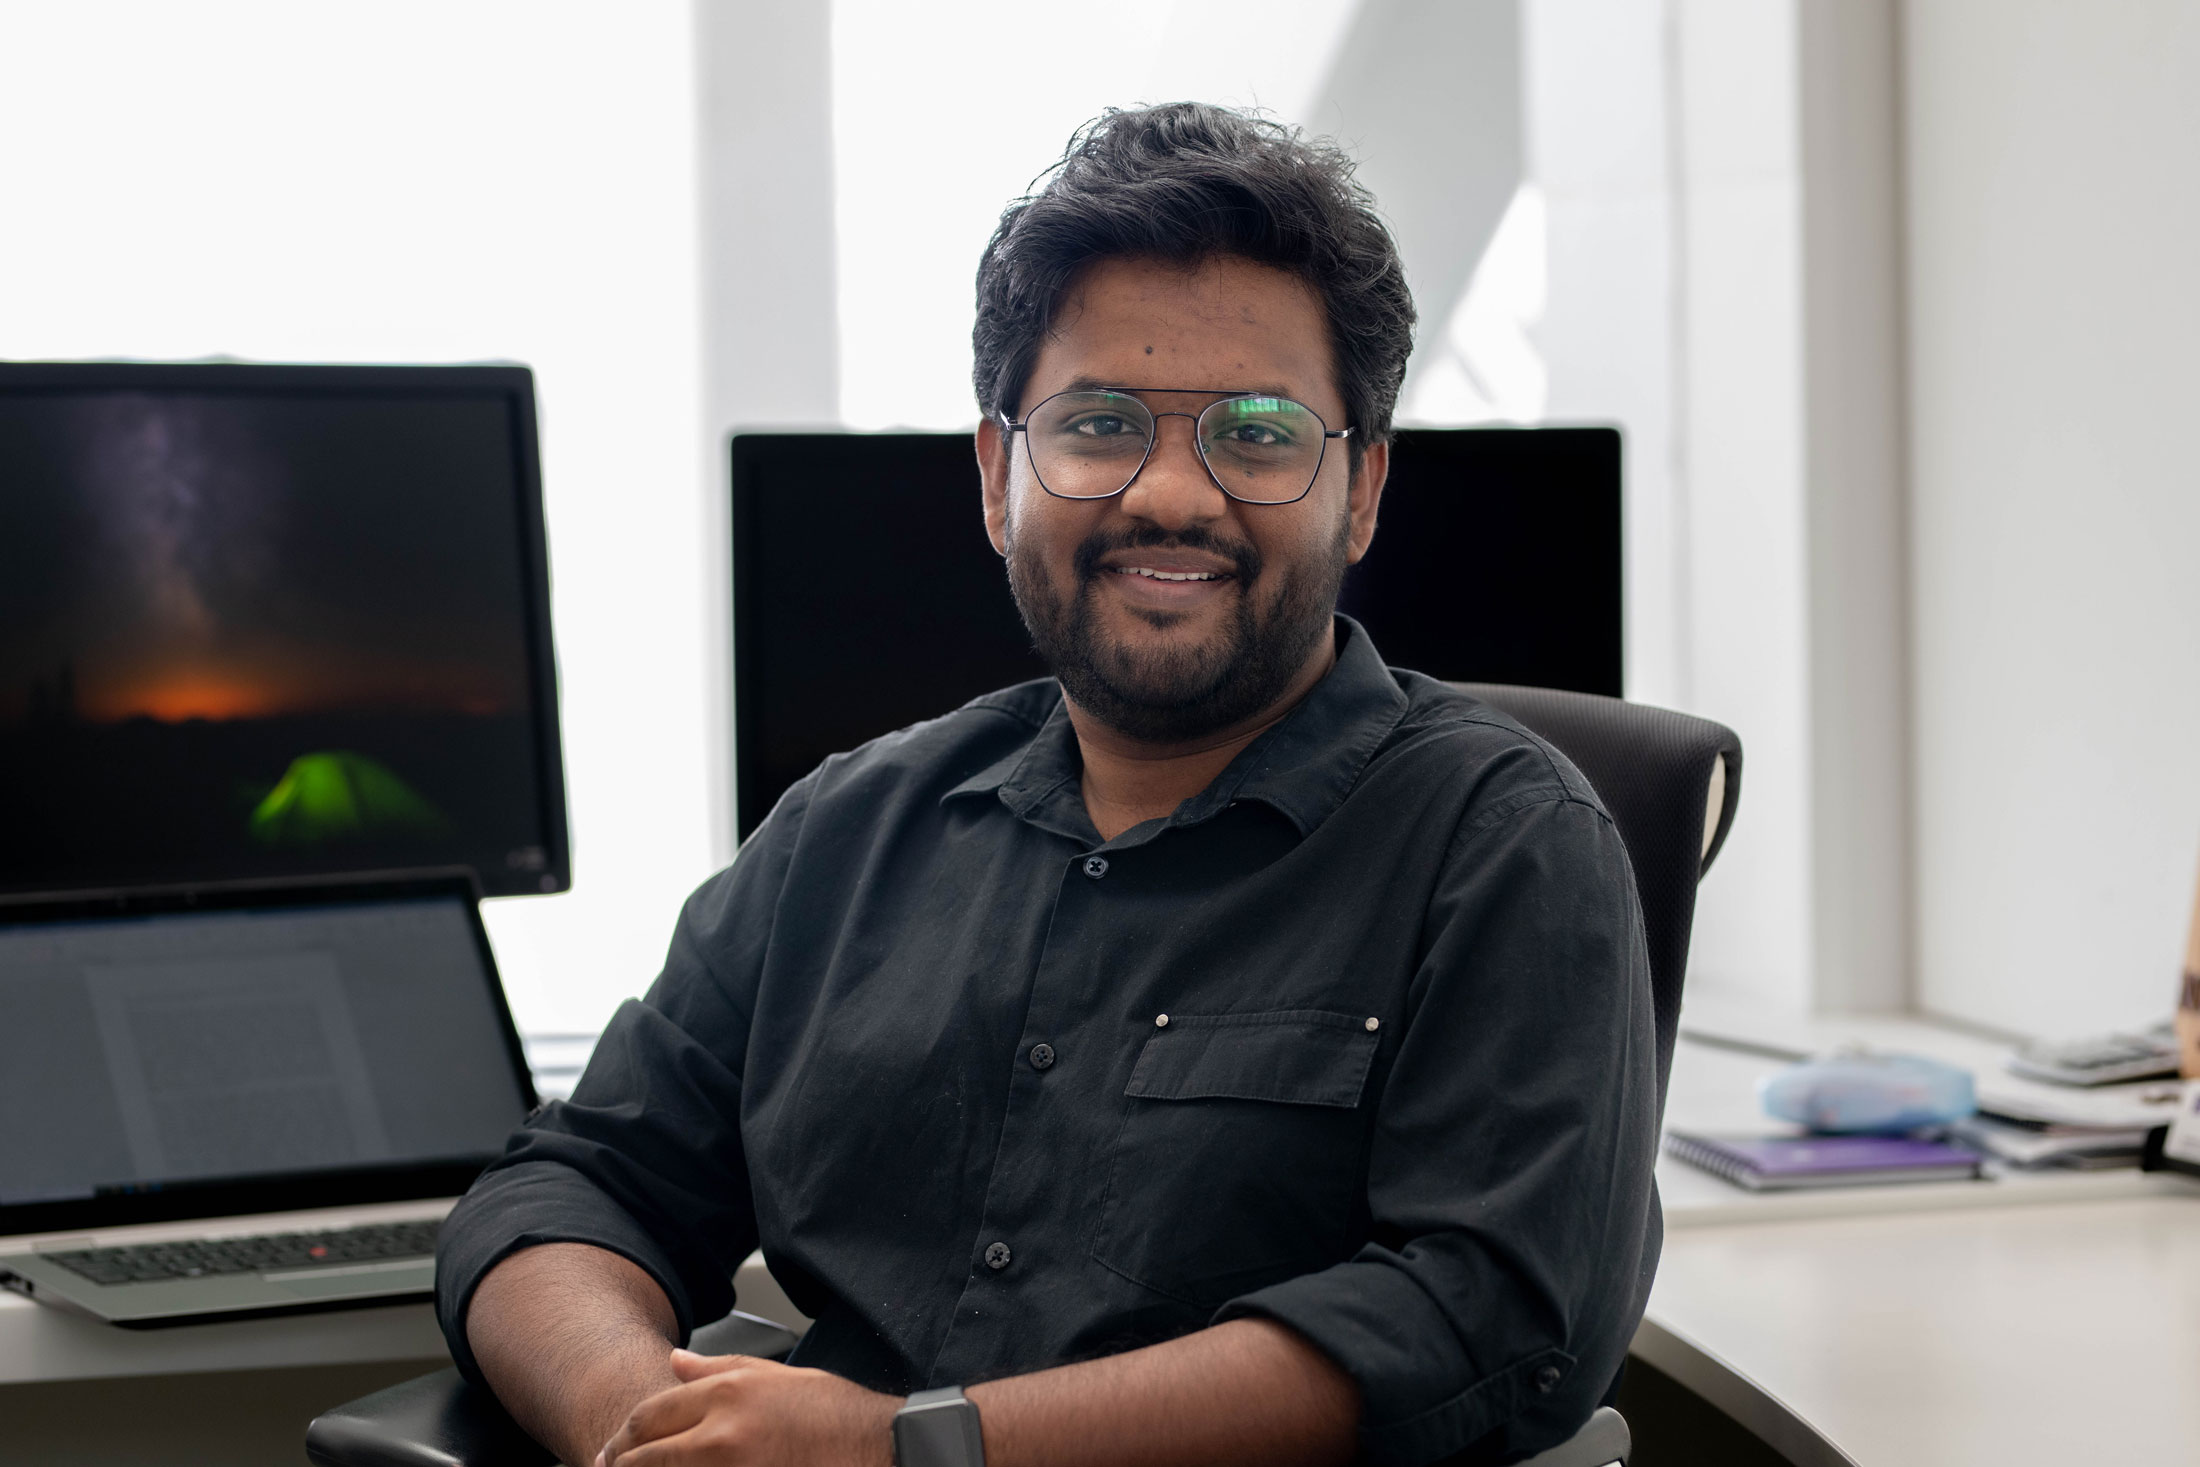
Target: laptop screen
[(184, 1063)]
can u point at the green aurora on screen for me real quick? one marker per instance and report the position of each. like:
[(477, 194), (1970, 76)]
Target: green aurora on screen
[(334, 796)]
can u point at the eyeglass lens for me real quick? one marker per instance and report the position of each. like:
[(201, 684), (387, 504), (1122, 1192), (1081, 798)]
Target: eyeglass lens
[(1090, 444)]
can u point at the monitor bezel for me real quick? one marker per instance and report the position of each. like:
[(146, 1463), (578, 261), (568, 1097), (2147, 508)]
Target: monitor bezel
[(515, 385), (284, 1192)]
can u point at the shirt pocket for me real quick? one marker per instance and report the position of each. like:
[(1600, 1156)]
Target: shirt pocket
[(1238, 1160)]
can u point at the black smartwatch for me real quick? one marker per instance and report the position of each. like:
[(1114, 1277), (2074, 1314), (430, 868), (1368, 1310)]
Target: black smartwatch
[(938, 1429)]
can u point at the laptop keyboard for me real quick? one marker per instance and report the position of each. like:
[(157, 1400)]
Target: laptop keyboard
[(193, 1258)]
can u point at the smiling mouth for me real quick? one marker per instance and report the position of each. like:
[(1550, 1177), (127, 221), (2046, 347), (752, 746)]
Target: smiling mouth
[(1165, 575)]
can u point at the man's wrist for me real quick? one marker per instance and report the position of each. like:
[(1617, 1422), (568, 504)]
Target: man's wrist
[(938, 1428)]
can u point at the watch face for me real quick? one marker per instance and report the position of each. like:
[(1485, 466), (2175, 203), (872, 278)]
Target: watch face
[(938, 1433)]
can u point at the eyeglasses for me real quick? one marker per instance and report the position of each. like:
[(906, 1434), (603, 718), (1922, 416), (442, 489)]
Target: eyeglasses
[(1090, 443)]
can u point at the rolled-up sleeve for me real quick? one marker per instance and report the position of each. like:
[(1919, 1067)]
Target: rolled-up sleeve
[(645, 1159), (1513, 1221)]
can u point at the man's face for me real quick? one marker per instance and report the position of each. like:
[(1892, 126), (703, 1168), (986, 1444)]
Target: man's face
[(1174, 660)]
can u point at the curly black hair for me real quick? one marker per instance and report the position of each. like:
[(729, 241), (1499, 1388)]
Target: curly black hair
[(1186, 182)]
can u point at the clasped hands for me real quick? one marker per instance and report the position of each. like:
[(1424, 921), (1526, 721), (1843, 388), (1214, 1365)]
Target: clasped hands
[(758, 1413)]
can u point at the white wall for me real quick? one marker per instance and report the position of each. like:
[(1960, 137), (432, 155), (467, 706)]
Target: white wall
[(1744, 592), (769, 287), (1783, 520), (1598, 137), (2053, 226), (418, 182), (1855, 520)]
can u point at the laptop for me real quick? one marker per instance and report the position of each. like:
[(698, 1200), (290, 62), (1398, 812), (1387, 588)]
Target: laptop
[(246, 1100)]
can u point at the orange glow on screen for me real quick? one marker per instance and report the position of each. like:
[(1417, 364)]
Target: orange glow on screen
[(177, 699)]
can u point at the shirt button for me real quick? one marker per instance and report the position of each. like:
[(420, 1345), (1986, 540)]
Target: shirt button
[(997, 1256), (1546, 1379), (1096, 866), (1042, 1056)]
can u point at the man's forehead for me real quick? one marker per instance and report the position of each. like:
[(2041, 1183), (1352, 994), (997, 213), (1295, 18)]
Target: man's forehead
[(1220, 288), (1233, 324)]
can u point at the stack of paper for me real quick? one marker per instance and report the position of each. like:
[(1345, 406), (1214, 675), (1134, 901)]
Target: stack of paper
[(2034, 1125)]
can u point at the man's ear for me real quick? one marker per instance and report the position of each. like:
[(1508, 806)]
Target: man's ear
[(993, 480), (1363, 498)]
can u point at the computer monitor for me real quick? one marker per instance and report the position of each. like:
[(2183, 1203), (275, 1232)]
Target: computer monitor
[(264, 622), (867, 597)]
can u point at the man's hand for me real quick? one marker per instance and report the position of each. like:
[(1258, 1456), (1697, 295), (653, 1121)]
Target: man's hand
[(577, 1344), (734, 1408)]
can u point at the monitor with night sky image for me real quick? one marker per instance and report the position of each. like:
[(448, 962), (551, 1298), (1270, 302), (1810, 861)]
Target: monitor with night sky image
[(264, 622)]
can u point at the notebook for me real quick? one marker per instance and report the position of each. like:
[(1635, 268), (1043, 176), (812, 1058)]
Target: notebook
[(1782, 1163)]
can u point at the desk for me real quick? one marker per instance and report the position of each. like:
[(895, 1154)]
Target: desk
[(2049, 1319)]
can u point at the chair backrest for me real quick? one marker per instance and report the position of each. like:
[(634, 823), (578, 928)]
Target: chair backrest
[(1671, 782)]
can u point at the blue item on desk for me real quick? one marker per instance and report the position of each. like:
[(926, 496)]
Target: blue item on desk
[(1869, 1092)]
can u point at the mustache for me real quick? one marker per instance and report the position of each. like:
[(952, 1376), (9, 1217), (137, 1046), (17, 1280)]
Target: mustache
[(1244, 558)]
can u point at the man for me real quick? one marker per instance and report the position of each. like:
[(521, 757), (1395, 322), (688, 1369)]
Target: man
[(1233, 1051)]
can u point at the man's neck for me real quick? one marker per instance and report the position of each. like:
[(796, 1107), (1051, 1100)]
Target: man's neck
[(1129, 781)]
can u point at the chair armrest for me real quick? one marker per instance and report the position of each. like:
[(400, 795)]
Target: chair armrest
[(1602, 1441), (442, 1420)]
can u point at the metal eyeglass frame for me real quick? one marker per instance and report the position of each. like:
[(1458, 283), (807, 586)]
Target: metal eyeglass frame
[(1221, 396)]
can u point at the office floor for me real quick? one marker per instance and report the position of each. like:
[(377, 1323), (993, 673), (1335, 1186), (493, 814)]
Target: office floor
[(246, 1418)]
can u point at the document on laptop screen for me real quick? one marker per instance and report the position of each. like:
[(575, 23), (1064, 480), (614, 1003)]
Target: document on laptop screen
[(197, 1046)]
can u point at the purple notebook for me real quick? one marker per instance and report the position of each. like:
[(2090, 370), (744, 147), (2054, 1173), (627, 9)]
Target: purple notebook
[(1777, 1163)]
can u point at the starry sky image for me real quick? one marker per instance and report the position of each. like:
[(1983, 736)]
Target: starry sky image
[(263, 632), (175, 556)]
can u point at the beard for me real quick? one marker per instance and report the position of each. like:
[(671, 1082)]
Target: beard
[(1178, 694)]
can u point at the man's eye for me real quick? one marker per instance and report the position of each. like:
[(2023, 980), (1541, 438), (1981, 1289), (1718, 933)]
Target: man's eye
[(1102, 425), (1259, 435)]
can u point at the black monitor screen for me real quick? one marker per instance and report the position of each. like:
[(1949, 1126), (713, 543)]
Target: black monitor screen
[(867, 597), (273, 621)]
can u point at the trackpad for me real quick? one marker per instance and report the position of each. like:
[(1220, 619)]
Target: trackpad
[(410, 1276)]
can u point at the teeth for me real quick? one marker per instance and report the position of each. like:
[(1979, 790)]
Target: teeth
[(1154, 575)]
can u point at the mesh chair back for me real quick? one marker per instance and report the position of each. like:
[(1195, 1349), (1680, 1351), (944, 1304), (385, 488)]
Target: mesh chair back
[(1652, 767)]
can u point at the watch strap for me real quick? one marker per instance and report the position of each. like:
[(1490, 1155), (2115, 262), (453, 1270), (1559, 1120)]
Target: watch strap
[(938, 1429)]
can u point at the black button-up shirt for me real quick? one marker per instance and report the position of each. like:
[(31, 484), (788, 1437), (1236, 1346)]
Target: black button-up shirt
[(1358, 1039)]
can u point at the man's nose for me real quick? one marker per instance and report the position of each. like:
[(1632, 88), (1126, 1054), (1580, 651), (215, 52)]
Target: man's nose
[(1174, 488)]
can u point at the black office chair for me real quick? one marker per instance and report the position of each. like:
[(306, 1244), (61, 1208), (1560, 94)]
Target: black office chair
[(1671, 783)]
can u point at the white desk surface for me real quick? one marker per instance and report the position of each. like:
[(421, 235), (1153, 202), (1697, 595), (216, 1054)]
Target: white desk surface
[(2049, 1319)]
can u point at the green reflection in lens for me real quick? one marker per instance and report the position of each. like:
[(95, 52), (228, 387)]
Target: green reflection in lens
[(1262, 448), (1269, 423)]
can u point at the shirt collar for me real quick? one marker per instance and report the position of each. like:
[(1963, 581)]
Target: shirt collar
[(1308, 763), (1303, 767)]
